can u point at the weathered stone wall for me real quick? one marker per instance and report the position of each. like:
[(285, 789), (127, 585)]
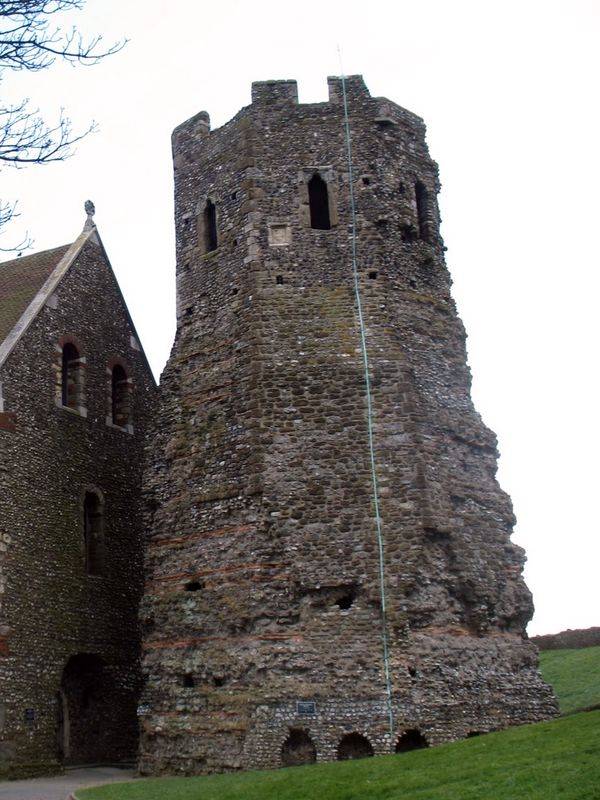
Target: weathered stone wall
[(262, 559), (570, 639), (50, 609)]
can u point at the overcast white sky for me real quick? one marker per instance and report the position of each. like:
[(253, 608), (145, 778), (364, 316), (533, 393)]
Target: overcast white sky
[(509, 91)]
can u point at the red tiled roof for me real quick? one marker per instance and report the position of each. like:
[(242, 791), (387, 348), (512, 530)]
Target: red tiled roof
[(20, 281)]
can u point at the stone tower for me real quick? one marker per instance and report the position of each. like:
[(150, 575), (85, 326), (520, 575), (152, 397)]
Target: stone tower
[(262, 614)]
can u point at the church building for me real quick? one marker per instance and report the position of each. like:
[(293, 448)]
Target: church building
[(76, 395)]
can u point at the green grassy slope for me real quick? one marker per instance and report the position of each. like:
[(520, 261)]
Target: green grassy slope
[(574, 675), (558, 760)]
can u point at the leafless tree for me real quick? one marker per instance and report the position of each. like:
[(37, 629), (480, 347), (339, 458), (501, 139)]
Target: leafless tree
[(31, 40)]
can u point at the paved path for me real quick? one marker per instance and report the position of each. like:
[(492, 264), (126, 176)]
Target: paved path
[(61, 786)]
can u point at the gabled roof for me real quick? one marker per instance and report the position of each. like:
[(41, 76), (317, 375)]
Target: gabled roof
[(27, 283), (20, 281)]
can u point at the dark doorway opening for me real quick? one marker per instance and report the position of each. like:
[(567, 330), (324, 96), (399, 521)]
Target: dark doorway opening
[(354, 745), (298, 749), (96, 719)]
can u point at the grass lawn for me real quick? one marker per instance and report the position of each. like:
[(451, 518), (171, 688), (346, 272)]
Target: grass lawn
[(558, 760), (575, 676)]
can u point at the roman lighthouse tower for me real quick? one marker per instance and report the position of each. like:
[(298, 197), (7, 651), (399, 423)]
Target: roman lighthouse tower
[(329, 569)]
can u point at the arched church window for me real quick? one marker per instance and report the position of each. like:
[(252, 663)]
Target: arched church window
[(71, 376), (120, 397), (318, 200), (93, 533)]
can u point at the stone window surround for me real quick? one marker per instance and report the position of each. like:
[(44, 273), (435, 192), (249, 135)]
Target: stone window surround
[(328, 174), (95, 490), (80, 410), (112, 363), (200, 218)]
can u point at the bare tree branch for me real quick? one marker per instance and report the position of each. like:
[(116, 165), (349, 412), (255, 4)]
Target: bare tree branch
[(30, 40), (8, 212)]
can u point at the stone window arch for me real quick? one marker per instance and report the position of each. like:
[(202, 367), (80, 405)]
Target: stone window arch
[(411, 739), (318, 198), (206, 225), (120, 395), (70, 366), (354, 745), (318, 203), (422, 204), (298, 749), (93, 531)]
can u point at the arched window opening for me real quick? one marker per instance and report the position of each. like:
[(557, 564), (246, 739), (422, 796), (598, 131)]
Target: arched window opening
[(210, 227), (120, 397), (422, 209), (70, 376), (298, 749), (354, 745), (411, 739), (93, 533), (318, 200)]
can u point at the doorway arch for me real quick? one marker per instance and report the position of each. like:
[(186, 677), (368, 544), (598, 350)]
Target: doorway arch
[(83, 704)]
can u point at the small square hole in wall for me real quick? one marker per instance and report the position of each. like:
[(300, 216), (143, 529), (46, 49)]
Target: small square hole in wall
[(234, 291), (188, 681), (279, 280), (412, 283), (408, 233), (234, 195), (280, 234), (373, 274), (366, 181)]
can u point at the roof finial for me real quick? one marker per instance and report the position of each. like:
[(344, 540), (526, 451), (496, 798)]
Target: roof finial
[(90, 210)]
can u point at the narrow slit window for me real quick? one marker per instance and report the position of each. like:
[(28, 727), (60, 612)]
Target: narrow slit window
[(120, 397), (318, 199), (210, 226), (71, 376), (422, 202), (93, 534)]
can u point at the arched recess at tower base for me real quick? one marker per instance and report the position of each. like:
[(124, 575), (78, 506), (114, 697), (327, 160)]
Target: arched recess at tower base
[(352, 746), (298, 749)]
